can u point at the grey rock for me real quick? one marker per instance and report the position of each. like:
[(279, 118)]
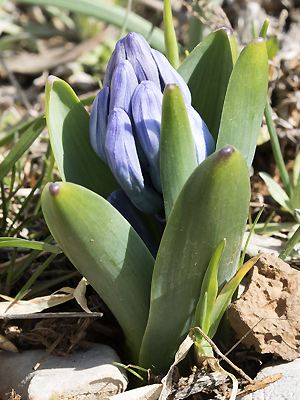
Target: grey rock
[(286, 388), (85, 375)]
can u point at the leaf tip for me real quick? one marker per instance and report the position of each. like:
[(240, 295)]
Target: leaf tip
[(51, 80), (227, 151), (225, 29), (259, 40), (54, 189), (171, 87)]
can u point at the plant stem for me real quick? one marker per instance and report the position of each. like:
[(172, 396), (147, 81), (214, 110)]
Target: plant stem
[(290, 244), (276, 149)]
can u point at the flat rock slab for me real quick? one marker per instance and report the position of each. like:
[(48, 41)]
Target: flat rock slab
[(286, 388), (85, 375)]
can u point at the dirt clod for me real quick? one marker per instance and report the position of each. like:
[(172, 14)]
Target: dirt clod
[(269, 309)]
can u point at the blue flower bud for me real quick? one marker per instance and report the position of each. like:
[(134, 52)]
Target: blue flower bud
[(121, 202), (123, 84), (98, 122), (124, 163), (118, 55), (146, 114), (126, 120), (138, 53), (170, 75), (204, 142)]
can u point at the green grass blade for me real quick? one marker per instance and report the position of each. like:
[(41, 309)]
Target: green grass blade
[(276, 191), (26, 140), (207, 71), (28, 244), (109, 13), (212, 205), (252, 229), (40, 269), (8, 135), (245, 100), (106, 250), (276, 148), (170, 35), (289, 246), (209, 289), (68, 125), (226, 294), (177, 148)]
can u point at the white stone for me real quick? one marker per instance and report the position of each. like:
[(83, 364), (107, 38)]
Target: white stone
[(286, 388), (149, 392), (84, 375)]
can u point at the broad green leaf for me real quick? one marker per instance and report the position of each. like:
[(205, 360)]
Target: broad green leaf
[(207, 70), (209, 289), (212, 205), (177, 148), (68, 125), (28, 244), (106, 250), (245, 100), (110, 13), (226, 294), (276, 191), (26, 140)]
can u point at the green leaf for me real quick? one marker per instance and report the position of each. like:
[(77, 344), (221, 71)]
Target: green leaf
[(28, 244), (296, 171), (26, 140), (68, 125), (8, 135), (212, 205), (276, 191), (295, 189), (177, 148), (209, 289), (226, 294), (110, 13), (170, 35), (106, 250), (291, 243), (245, 100), (207, 71), (264, 29)]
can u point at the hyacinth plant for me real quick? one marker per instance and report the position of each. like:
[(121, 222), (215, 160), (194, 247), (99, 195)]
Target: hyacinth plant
[(155, 191)]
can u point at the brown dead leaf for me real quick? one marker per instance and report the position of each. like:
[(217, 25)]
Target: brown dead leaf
[(7, 345), (261, 384), (11, 306)]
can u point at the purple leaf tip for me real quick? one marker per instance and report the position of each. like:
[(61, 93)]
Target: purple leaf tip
[(54, 188), (227, 151)]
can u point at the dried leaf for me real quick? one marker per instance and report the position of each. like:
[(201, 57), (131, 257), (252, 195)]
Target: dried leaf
[(7, 345), (11, 306)]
